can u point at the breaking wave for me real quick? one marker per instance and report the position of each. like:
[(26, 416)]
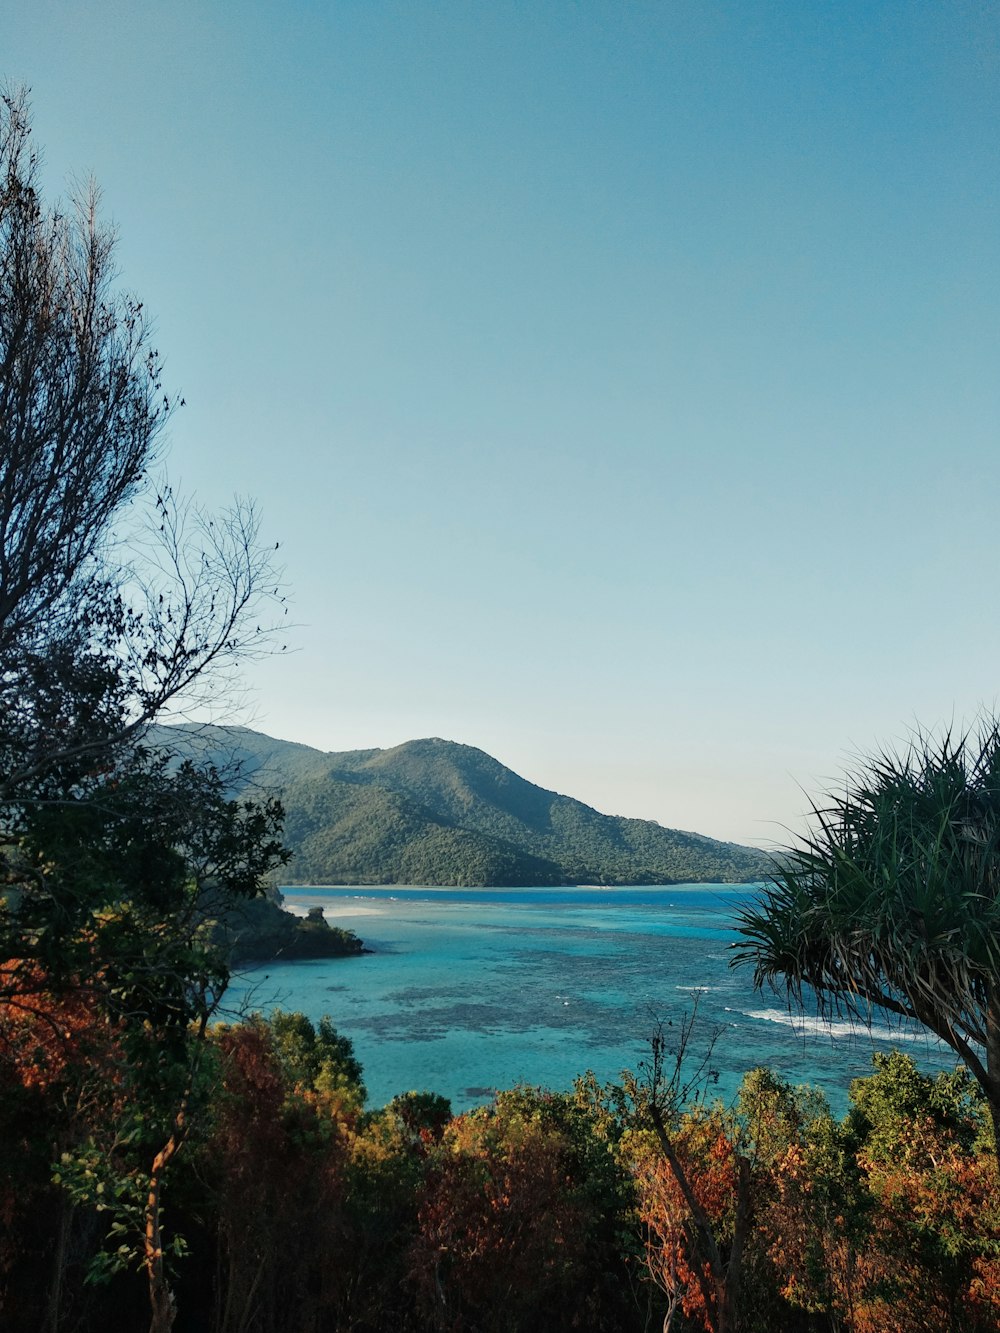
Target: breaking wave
[(836, 1029)]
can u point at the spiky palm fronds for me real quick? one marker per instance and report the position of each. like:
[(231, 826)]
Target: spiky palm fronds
[(893, 899)]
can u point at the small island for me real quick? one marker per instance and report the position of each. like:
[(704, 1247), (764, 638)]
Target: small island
[(261, 930)]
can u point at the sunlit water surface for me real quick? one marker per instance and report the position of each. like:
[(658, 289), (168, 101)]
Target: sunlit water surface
[(470, 990)]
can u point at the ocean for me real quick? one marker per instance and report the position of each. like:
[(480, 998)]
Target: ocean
[(470, 990)]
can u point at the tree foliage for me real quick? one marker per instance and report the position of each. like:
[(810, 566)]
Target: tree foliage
[(519, 1219), (893, 901), (97, 638), (80, 394), (303, 1210), (117, 602)]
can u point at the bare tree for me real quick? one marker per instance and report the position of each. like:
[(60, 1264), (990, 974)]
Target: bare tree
[(81, 407), (82, 412)]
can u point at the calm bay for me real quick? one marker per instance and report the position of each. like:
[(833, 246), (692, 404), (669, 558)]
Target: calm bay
[(470, 990)]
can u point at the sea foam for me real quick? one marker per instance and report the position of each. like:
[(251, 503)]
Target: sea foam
[(833, 1028)]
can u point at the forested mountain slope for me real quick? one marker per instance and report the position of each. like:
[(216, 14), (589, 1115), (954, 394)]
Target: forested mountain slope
[(437, 812)]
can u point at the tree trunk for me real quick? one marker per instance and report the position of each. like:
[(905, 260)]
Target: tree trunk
[(722, 1294), (699, 1218), (732, 1282), (161, 1298), (54, 1312)]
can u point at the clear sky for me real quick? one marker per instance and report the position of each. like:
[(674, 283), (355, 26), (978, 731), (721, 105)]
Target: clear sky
[(620, 379)]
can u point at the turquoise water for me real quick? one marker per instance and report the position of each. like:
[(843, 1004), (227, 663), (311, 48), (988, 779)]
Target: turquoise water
[(471, 990)]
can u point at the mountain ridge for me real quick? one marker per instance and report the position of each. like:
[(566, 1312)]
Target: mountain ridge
[(438, 812)]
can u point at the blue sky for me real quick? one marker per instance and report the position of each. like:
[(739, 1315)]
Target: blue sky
[(621, 380)]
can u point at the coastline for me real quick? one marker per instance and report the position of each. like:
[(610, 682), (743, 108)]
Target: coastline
[(368, 900)]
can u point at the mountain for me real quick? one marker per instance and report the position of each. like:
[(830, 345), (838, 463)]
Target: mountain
[(437, 812)]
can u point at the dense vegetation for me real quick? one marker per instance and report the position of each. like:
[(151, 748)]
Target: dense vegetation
[(292, 1207), (436, 812)]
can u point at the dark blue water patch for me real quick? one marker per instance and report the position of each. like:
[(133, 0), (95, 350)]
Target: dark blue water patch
[(418, 995), (497, 1010), (430, 1022)]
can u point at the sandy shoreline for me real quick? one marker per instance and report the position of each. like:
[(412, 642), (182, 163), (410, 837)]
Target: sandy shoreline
[(299, 905), (358, 901), (361, 890)]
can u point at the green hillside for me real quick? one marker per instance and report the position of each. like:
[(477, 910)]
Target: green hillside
[(436, 812)]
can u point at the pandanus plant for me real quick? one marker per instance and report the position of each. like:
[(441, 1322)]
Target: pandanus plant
[(892, 901)]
